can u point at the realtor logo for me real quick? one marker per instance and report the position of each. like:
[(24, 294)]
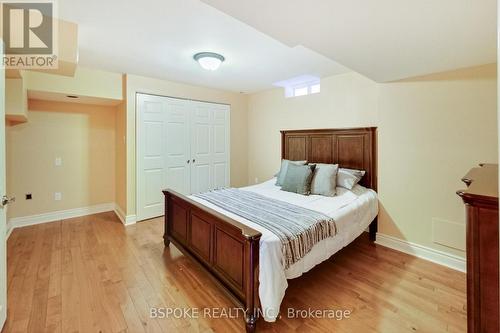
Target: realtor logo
[(28, 30)]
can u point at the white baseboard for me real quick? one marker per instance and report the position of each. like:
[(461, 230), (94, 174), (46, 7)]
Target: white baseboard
[(423, 252), (119, 213), (24, 221), (8, 230), (126, 219), (130, 219)]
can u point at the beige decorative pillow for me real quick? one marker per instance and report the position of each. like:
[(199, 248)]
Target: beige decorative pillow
[(348, 178), (324, 180)]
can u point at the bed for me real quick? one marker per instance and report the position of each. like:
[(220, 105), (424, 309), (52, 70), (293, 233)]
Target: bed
[(243, 257)]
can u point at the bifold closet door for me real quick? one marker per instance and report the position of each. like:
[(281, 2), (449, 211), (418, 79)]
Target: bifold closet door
[(181, 145), (201, 146), (178, 146), (220, 144), (163, 154), (150, 155), (209, 146)]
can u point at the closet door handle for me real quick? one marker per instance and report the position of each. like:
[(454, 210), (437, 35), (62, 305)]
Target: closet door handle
[(187, 161), (194, 160)]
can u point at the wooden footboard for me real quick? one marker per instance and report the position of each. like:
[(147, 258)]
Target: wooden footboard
[(228, 249)]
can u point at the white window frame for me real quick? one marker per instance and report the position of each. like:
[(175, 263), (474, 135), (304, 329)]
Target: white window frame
[(315, 84), (301, 86), (307, 85)]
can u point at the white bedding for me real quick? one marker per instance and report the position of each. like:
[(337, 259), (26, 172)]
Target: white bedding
[(353, 210)]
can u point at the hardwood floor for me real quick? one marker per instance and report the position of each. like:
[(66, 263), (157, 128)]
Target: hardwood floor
[(91, 274)]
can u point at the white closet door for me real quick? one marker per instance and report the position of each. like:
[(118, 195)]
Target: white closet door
[(163, 151), (209, 146), (220, 144), (181, 145), (201, 146), (178, 152), (150, 156)]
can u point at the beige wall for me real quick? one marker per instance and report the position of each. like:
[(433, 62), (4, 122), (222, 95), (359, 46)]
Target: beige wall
[(431, 131), (83, 136), (346, 100), (120, 159), (238, 125)]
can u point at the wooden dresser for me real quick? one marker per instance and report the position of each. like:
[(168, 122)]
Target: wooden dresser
[(481, 202)]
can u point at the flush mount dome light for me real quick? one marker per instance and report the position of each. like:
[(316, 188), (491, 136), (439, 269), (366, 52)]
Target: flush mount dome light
[(209, 60)]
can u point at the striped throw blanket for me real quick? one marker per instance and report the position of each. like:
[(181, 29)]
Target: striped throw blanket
[(298, 228)]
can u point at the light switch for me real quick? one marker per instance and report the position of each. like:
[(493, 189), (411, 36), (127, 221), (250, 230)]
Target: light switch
[(58, 161), (58, 196)]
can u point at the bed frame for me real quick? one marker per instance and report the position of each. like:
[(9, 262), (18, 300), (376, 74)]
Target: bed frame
[(229, 250)]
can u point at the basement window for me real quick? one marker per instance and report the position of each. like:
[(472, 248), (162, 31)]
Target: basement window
[(315, 88), (300, 85), (300, 91)]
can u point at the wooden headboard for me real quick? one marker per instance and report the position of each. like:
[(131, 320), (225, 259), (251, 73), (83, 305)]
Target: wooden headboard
[(354, 148)]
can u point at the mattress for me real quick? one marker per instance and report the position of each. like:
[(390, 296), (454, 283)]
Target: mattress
[(353, 210)]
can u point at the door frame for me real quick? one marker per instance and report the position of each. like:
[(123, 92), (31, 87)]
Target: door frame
[(3, 213), (138, 148)]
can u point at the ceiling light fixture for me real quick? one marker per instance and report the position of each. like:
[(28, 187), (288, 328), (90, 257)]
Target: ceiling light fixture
[(209, 60)]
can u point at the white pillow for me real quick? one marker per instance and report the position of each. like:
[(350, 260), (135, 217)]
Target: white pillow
[(347, 178)]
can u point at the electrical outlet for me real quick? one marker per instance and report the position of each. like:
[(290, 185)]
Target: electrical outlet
[(58, 196), (29, 196), (256, 180), (58, 161)]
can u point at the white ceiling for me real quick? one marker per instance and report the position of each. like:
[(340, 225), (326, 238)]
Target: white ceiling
[(384, 40), (158, 38)]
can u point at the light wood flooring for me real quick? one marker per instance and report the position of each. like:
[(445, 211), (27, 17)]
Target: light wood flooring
[(91, 274)]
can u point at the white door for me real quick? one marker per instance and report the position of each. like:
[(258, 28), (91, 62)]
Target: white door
[(209, 146), (178, 154), (201, 147), (220, 144), (163, 155), (181, 145), (3, 219), (150, 155)]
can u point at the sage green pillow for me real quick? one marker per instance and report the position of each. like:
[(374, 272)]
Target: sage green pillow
[(298, 178), (324, 181), (284, 167)]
